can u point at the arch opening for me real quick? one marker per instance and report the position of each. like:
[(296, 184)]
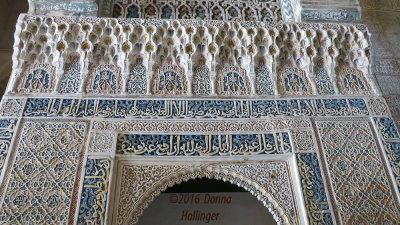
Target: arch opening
[(206, 201)]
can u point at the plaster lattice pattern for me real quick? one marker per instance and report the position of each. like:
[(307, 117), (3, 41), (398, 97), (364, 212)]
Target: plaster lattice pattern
[(7, 129), (137, 82), (199, 109), (258, 10), (203, 145), (43, 176), (102, 142), (273, 181), (303, 141), (392, 150), (12, 107), (323, 82), (264, 85), (361, 187), (71, 80), (386, 128), (201, 81), (318, 210), (94, 195)]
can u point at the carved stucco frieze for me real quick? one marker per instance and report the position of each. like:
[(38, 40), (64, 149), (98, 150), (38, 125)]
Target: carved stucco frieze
[(95, 56)]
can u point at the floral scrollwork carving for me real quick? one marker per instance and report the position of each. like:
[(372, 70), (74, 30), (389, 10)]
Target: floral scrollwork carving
[(261, 179)]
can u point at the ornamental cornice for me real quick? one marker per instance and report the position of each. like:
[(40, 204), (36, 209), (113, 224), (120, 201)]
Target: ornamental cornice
[(131, 57)]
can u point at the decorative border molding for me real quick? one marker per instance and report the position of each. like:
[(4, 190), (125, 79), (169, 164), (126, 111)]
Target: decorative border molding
[(211, 127), (318, 210)]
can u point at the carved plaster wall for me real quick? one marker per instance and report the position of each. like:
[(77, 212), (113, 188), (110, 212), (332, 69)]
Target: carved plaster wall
[(101, 115)]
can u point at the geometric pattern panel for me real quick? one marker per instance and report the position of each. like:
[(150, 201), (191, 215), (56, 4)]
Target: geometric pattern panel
[(361, 187), (202, 108), (7, 129), (317, 206), (140, 183), (93, 204), (42, 179), (203, 145)]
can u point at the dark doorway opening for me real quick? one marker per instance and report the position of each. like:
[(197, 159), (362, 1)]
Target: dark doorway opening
[(203, 201)]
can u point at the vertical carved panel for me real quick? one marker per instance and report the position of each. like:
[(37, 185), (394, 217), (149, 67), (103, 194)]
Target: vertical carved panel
[(71, 79), (361, 187), (40, 188), (293, 81), (318, 211), (391, 141), (201, 80), (168, 80), (7, 129), (351, 81), (323, 82), (93, 204), (264, 83), (137, 81)]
